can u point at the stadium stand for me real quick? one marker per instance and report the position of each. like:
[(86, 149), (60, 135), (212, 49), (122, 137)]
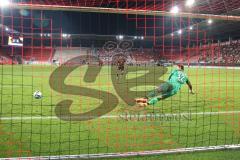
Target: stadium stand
[(64, 54), (6, 57), (38, 54), (225, 53)]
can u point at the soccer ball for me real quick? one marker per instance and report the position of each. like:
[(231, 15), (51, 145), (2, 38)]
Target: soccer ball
[(37, 95)]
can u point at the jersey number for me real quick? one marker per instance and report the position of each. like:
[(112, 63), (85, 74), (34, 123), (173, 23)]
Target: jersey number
[(181, 77)]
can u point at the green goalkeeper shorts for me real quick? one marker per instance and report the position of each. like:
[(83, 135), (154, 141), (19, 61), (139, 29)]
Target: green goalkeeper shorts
[(165, 90)]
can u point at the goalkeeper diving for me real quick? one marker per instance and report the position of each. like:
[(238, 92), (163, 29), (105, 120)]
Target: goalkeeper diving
[(174, 83)]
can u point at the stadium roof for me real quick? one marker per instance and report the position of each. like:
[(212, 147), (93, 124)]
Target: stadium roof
[(221, 29), (201, 6)]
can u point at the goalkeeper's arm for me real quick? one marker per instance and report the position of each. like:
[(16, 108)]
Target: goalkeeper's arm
[(190, 86)]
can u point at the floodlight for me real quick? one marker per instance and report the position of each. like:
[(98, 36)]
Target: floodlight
[(64, 35), (174, 10), (180, 31), (4, 3), (210, 21), (189, 3)]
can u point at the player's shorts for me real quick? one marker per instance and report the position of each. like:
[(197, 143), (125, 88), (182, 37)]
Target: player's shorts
[(166, 90), (121, 68)]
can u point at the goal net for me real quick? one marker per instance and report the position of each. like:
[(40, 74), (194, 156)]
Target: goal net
[(71, 71)]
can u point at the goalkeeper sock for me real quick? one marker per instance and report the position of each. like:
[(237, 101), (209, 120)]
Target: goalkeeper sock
[(152, 94), (153, 101)]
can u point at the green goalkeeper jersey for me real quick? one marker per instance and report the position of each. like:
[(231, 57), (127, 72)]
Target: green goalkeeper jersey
[(177, 79)]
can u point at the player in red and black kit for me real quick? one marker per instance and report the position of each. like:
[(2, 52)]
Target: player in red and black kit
[(100, 62), (120, 66)]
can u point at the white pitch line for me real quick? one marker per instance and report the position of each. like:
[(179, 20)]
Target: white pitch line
[(123, 115), (131, 154)]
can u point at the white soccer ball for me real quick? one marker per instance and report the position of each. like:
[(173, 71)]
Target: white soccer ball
[(37, 94)]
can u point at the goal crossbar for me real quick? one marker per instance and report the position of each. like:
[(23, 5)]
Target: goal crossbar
[(124, 11)]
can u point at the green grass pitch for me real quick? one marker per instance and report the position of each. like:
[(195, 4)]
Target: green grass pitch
[(29, 127)]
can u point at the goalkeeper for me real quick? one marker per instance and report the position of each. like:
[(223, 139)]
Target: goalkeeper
[(175, 81)]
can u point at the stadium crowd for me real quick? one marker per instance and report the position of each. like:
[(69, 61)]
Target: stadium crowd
[(226, 53)]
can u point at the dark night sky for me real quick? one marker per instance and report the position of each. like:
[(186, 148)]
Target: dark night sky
[(88, 23), (103, 24), (92, 23)]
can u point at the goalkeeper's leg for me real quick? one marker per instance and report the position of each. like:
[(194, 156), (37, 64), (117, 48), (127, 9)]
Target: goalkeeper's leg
[(151, 99), (162, 92), (143, 102), (153, 95)]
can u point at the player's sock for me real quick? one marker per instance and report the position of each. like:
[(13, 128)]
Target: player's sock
[(153, 101), (152, 94)]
